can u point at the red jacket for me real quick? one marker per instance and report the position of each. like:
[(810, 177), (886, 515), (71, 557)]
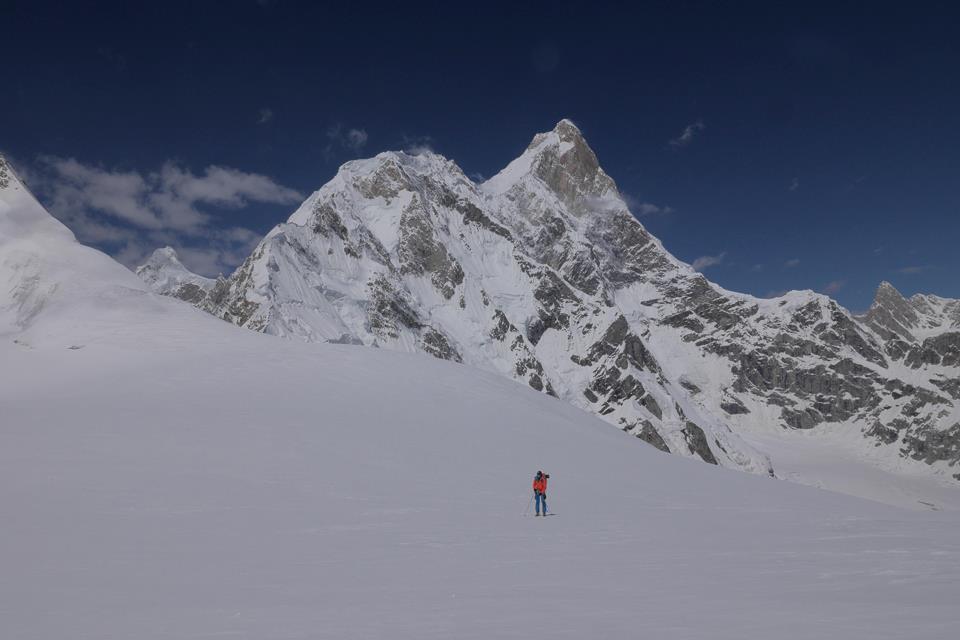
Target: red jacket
[(540, 486)]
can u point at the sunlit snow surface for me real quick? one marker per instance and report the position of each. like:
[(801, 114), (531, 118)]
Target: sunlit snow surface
[(166, 475)]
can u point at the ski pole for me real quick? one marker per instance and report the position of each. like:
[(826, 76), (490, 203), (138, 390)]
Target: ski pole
[(527, 510)]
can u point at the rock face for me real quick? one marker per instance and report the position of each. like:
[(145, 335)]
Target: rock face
[(543, 275), (4, 173)]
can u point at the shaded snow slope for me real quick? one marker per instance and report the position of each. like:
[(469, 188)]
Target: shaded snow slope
[(166, 475), (542, 274)]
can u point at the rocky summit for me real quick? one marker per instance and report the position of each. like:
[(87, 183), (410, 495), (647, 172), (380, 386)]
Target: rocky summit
[(543, 275)]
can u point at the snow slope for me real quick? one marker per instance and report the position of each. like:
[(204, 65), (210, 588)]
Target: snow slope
[(164, 474)]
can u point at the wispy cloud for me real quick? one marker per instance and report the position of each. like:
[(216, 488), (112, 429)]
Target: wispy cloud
[(356, 139), (705, 262), (794, 184), (640, 208), (649, 209), (686, 137), (834, 286), (913, 270), (129, 213), (791, 263), (350, 139), (856, 182), (266, 115), (757, 268)]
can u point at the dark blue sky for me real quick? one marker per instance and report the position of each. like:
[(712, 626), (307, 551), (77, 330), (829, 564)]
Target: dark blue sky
[(825, 138)]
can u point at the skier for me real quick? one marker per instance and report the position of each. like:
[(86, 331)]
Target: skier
[(540, 490)]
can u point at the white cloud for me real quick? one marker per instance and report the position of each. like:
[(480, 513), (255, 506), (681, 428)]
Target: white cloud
[(266, 115), (686, 137), (757, 268), (76, 187), (224, 187), (131, 213), (794, 184), (219, 252), (705, 262), (791, 263)]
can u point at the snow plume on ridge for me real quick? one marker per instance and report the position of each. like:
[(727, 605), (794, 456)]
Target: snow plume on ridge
[(705, 262), (130, 212)]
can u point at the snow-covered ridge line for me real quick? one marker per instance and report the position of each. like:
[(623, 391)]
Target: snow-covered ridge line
[(543, 275)]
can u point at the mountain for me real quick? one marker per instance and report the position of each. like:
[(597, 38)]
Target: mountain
[(164, 474), (543, 275), (165, 274), (46, 275)]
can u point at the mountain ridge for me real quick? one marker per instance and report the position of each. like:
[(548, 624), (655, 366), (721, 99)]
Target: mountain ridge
[(542, 274)]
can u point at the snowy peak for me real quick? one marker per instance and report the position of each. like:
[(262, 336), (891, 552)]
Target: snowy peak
[(165, 274), (21, 215), (891, 314), (937, 313), (915, 319), (563, 162), (163, 258), (48, 275)]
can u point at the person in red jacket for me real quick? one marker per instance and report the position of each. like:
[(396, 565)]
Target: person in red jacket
[(540, 490)]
